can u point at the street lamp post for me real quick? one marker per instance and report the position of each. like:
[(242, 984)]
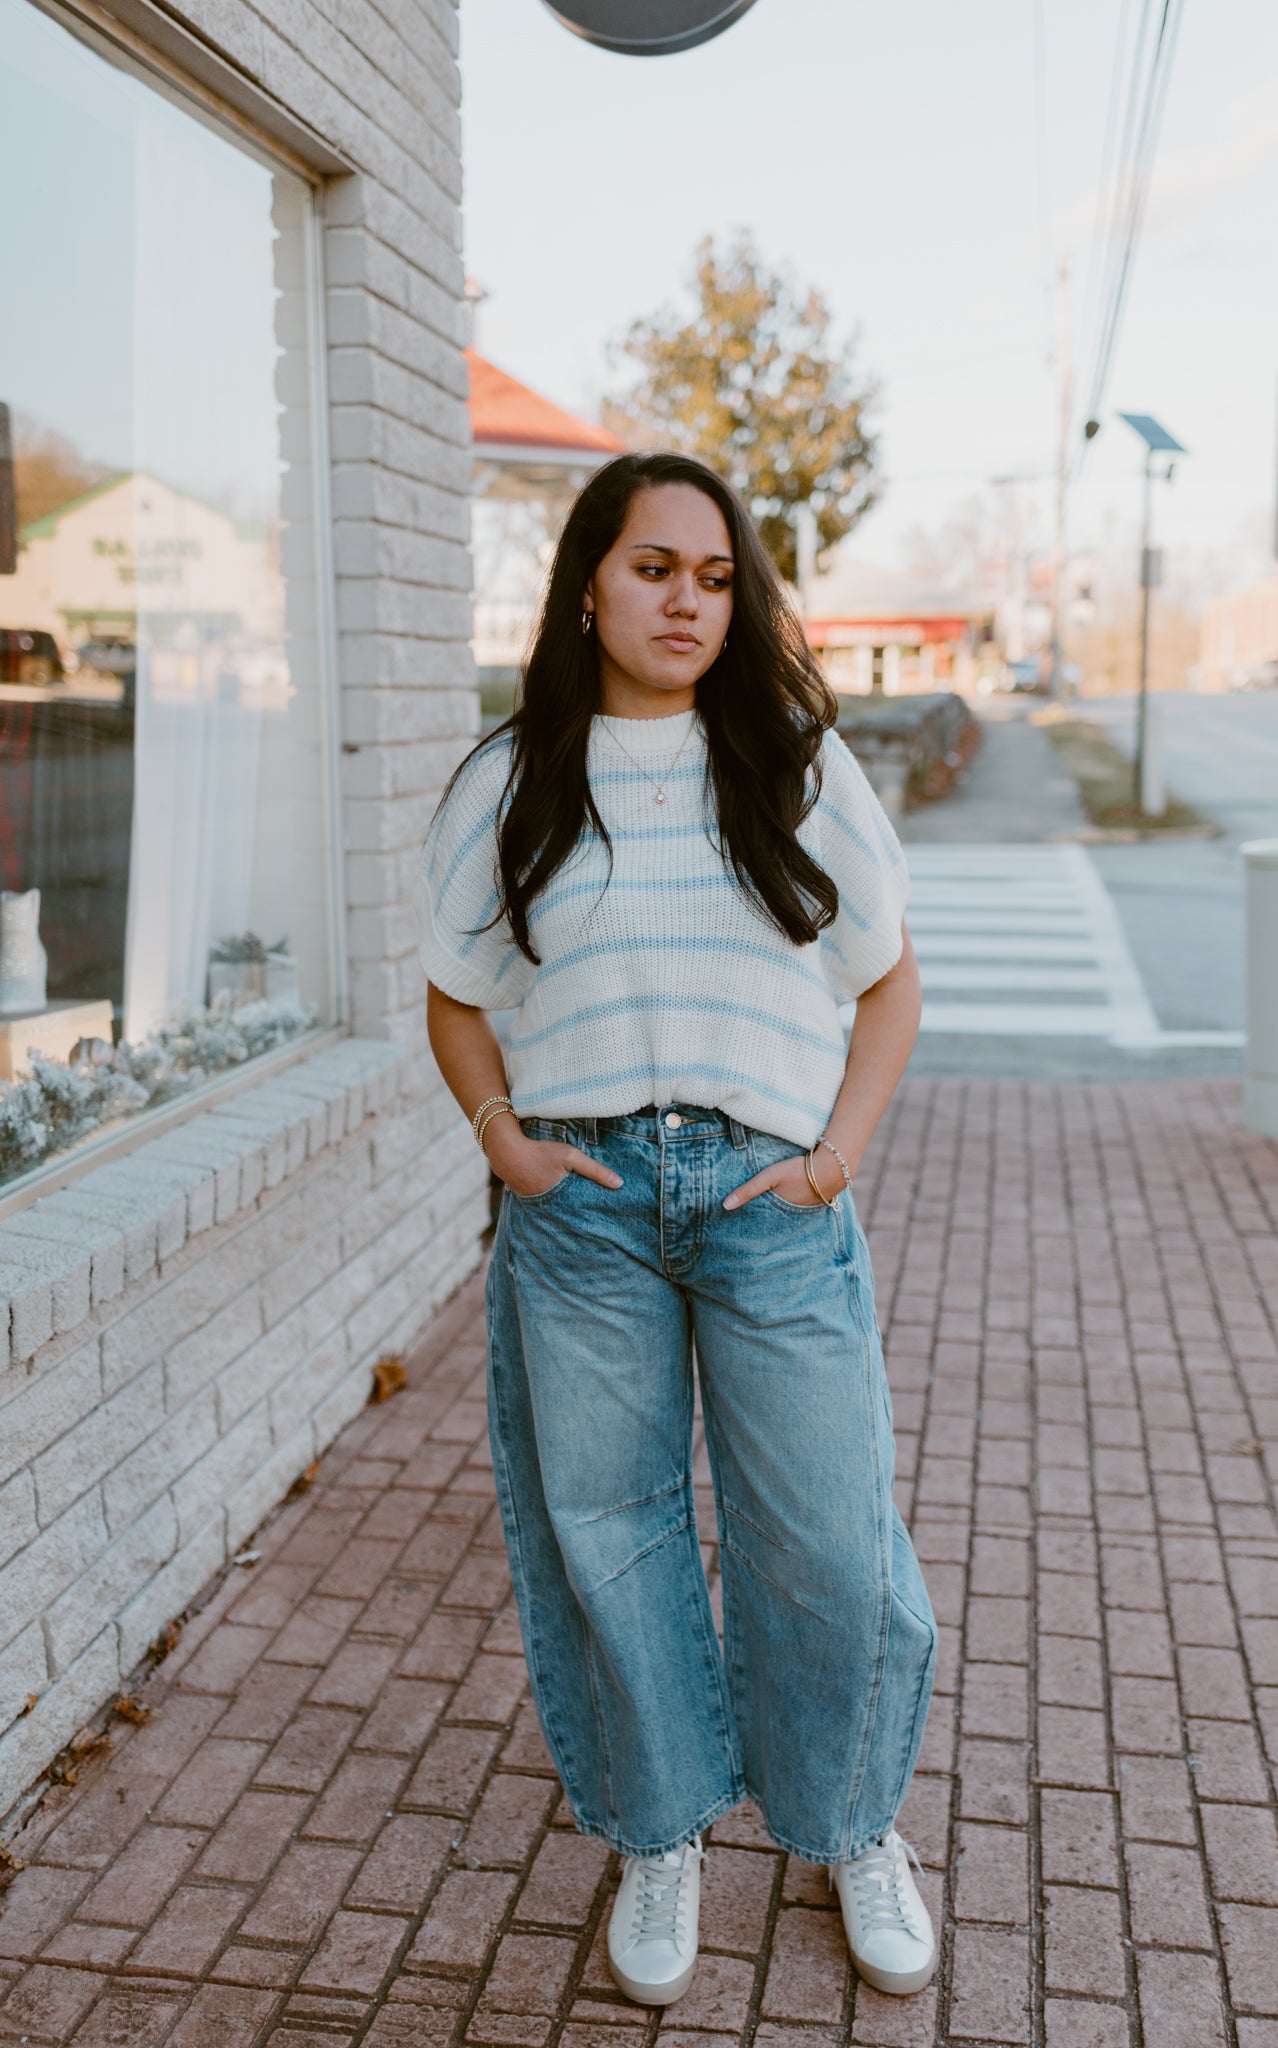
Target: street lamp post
[(1157, 442)]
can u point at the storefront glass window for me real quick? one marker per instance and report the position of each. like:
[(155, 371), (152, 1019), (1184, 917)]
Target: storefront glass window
[(163, 823)]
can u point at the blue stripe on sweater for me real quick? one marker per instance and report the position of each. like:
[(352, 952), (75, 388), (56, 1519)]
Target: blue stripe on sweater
[(708, 1006), (648, 1078), (730, 949)]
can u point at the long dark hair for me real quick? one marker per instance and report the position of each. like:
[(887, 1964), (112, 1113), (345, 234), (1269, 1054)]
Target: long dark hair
[(764, 703)]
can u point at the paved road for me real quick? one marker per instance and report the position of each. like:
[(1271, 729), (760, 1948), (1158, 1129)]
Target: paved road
[(1053, 960), (1222, 753)]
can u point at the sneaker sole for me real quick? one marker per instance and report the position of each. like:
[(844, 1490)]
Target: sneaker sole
[(897, 1983), (654, 1994)]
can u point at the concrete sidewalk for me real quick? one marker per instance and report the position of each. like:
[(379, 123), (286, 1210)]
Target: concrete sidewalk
[(340, 1824)]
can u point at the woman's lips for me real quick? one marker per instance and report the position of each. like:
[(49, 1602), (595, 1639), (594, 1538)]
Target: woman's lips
[(679, 640)]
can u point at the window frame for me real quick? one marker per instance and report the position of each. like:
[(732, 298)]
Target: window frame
[(213, 92)]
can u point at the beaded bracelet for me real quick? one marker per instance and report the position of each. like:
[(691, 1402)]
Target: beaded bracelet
[(500, 1109), (487, 1104), (842, 1161)]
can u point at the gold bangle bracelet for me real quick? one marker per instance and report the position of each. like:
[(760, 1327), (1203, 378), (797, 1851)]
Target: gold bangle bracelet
[(813, 1182)]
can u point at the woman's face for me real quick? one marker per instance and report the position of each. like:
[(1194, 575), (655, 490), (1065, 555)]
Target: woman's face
[(662, 600)]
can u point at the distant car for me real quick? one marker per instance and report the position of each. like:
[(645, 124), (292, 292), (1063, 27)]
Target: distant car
[(1024, 676), (29, 657), (108, 657)]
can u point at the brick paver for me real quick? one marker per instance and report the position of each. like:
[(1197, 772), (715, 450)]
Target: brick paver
[(341, 1825)]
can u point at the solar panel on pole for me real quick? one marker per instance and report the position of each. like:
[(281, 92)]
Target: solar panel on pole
[(648, 28)]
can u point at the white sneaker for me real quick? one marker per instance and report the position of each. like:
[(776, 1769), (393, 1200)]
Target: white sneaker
[(888, 1929), (652, 1935)]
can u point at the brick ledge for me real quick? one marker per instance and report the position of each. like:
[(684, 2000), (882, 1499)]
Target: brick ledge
[(77, 1248)]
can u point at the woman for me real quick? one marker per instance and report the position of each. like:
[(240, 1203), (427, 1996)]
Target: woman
[(673, 872)]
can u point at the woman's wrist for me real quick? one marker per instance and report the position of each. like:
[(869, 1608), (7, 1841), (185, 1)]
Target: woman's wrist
[(503, 1140), (818, 1169), (838, 1157)]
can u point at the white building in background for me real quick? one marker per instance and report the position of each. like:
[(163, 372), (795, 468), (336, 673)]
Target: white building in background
[(135, 557), (1239, 645), (876, 630)]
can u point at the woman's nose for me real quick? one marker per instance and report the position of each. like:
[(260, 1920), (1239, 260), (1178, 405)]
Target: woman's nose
[(683, 598)]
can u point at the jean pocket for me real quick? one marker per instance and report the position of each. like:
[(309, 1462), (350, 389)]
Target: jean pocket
[(767, 1151), (546, 1194), (812, 1208)]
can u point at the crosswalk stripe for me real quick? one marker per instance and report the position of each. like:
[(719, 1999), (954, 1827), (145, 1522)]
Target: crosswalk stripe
[(1024, 941)]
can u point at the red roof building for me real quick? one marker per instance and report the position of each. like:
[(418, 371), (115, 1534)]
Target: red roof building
[(509, 420), (530, 460)]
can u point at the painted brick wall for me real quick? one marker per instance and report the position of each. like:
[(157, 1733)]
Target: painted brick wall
[(181, 1332), (140, 1447)]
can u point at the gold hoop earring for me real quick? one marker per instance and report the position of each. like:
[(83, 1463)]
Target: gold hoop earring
[(587, 621)]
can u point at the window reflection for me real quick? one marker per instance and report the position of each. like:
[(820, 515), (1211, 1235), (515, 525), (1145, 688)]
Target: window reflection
[(161, 778)]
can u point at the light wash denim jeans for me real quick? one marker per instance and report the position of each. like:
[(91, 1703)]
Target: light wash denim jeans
[(596, 1297)]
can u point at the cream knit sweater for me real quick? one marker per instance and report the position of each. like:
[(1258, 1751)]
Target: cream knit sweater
[(665, 983)]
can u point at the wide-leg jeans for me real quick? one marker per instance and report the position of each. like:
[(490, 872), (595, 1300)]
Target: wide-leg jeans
[(596, 1299)]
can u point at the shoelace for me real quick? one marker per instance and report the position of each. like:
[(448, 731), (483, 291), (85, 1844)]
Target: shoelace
[(660, 1897), (878, 1884)]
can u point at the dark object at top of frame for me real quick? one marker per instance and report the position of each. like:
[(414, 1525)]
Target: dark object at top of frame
[(648, 28)]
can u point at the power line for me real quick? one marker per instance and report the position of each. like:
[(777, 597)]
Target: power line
[(1138, 194), (1146, 98), (1104, 186)]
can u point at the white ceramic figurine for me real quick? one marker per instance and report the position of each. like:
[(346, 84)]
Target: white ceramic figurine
[(24, 964)]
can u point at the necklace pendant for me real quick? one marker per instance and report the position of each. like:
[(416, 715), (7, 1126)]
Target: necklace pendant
[(660, 797)]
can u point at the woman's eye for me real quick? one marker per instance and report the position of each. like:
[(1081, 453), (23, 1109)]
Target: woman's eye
[(718, 583)]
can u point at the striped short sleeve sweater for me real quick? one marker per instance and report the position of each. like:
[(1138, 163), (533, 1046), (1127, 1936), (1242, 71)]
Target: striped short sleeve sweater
[(664, 981)]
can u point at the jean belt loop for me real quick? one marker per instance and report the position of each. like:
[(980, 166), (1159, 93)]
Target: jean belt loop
[(736, 1132), (589, 1128)]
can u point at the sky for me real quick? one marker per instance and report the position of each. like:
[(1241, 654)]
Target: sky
[(896, 158)]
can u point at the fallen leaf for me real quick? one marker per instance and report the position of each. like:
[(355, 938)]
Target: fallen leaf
[(32, 1698), (132, 1709), (167, 1640), (10, 1865), (390, 1376), (89, 1743), (304, 1482)]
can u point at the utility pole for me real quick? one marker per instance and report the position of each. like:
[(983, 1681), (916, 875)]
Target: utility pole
[(1066, 381), (1157, 442), (1146, 580)]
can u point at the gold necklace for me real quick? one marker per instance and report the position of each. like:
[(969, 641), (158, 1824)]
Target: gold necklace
[(660, 787)]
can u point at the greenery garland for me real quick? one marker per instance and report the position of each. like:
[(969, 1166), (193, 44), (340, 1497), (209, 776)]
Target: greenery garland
[(58, 1104)]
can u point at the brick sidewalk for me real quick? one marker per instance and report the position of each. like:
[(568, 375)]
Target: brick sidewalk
[(341, 1824)]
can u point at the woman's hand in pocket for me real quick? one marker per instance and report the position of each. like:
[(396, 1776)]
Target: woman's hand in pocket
[(787, 1178), (531, 1166)]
